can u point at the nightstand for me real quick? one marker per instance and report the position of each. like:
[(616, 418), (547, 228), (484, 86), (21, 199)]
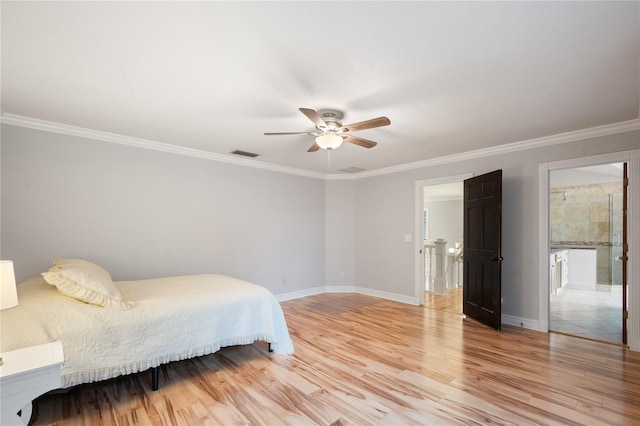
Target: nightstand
[(24, 375)]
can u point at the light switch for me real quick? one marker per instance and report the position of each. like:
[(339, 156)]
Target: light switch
[(407, 238)]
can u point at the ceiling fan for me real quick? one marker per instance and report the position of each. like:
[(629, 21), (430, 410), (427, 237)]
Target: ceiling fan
[(330, 132)]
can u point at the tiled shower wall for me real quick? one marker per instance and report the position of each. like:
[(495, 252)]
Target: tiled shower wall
[(590, 216)]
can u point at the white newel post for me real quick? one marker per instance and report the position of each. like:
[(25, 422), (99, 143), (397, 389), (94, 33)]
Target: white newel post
[(453, 271), (440, 281), (428, 252)]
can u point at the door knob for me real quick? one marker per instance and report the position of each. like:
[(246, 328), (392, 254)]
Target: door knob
[(496, 259)]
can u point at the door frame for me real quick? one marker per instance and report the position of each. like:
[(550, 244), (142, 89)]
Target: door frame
[(419, 227), (632, 158)]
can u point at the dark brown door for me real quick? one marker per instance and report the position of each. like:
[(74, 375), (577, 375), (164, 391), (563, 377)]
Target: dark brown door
[(482, 253)]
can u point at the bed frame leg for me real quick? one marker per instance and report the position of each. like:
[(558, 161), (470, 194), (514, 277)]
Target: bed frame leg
[(154, 378), (270, 348)]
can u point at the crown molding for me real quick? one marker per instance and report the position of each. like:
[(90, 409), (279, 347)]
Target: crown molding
[(577, 135), (65, 129), (50, 126)]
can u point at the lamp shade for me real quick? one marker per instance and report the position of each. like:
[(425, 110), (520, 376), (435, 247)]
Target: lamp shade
[(329, 140), (8, 291)]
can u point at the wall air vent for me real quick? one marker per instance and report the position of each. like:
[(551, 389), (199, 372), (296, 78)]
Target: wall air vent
[(352, 170), (244, 153)]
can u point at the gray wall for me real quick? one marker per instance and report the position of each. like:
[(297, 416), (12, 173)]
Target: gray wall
[(340, 233), (386, 211), (142, 213), (446, 220)]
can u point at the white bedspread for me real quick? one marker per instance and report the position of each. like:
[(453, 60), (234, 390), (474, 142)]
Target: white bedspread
[(173, 318)]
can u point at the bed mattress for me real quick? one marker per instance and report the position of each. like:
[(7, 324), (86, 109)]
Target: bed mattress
[(172, 318)]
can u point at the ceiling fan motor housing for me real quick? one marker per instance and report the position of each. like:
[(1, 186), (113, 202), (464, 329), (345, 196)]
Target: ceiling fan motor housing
[(332, 117)]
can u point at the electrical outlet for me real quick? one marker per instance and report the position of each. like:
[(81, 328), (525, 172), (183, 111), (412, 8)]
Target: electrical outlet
[(284, 281), (341, 274)]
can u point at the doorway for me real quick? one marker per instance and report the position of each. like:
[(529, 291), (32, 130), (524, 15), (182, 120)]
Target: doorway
[(586, 290), (632, 158), (439, 237)]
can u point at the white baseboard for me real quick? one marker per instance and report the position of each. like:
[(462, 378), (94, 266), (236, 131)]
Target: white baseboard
[(341, 289), (300, 293), (389, 296), (527, 323)]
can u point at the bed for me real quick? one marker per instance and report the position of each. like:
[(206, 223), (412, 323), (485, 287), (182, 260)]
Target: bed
[(140, 324)]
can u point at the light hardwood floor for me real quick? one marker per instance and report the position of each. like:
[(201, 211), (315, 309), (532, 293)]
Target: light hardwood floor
[(361, 360), (451, 301)]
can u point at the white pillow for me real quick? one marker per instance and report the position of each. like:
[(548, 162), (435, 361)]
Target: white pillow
[(85, 281)]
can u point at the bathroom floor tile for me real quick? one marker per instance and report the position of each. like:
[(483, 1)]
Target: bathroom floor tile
[(588, 313)]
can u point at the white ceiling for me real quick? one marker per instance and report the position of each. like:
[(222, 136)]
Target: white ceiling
[(214, 76)]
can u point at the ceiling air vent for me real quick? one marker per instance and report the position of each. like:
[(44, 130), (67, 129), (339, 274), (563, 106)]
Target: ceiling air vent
[(244, 153), (352, 170)]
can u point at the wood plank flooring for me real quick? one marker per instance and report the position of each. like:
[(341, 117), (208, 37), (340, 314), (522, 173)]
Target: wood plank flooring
[(451, 301), (365, 361)]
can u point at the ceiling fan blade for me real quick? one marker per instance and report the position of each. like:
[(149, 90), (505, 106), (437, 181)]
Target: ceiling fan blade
[(359, 141), (291, 133), (313, 116), (314, 148), (368, 124)]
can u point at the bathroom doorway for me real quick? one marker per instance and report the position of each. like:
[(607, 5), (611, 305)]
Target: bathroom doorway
[(586, 218)]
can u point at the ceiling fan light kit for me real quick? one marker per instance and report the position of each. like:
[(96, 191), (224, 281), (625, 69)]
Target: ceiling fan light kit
[(330, 131), (329, 140)]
